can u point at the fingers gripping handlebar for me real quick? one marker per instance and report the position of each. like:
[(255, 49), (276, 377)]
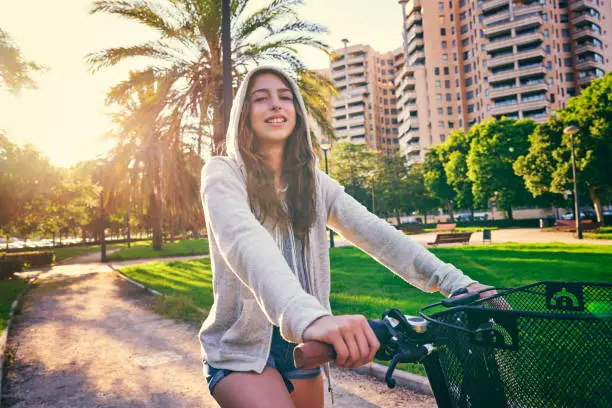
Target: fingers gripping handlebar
[(403, 339)]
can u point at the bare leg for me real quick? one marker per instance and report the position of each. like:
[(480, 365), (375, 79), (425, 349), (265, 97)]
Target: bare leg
[(252, 390), (308, 392)]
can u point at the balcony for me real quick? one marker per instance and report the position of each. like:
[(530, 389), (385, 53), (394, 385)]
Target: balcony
[(413, 148), (534, 21), (586, 31), (585, 80), (492, 4), (533, 104), (351, 122), (521, 39), (588, 48), (589, 63), (341, 100), (582, 4), (412, 19), (585, 17), (492, 20), (418, 44), (531, 8), (540, 69), (350, 132), (506, 59), (504, 109)]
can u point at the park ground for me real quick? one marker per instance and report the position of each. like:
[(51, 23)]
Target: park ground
[(86, 338)]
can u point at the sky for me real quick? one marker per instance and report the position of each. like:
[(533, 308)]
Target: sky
[(65, 116)]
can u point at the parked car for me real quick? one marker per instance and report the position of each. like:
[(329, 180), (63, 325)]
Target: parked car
[(584, 215)]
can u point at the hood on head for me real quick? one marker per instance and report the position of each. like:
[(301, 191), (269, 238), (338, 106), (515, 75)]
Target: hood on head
[(231, 140)]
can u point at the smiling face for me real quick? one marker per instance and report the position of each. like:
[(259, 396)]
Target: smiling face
[(272, 111)]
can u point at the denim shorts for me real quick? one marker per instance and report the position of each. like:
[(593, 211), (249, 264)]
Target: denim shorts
[(281, 358)]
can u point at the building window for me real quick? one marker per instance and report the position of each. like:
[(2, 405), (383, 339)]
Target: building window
[(441, 5), (444, 57), (438, 97), (546, 33), (548, 49), (567, 62), (451, 125), (444, 45), (565, 33), (545, 17), (441, 124), (552, 98), (449, 97), (469, 95), (442, 19), (564, 18), (549, 65), (470, 108), (447, 84), (567, 47), (570, 92), (436, 71), (443, 32), (440, 111), (449, 110), (446, 71), (468, 81), (438, 84), (569, 76)]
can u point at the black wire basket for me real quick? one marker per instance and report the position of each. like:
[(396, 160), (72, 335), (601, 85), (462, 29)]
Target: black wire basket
[(548, 344)]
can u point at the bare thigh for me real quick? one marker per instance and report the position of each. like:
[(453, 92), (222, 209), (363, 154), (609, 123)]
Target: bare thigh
[(308, 392), (252, 390)]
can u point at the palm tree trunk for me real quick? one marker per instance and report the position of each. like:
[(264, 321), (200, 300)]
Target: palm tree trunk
[(596, 204)]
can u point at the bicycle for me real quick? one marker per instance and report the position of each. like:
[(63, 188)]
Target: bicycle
[(547, 344)]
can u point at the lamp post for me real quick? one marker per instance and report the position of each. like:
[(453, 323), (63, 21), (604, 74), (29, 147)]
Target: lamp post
[(325, 147), (127, 214), (571, 131)]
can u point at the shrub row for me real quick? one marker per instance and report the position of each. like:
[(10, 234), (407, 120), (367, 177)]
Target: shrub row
[(15, 262)]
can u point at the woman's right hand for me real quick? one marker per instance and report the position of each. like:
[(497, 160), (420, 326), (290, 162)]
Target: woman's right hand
[(351, 336)]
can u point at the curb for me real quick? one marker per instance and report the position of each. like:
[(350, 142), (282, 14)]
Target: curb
[(413, 382), (4, 337)]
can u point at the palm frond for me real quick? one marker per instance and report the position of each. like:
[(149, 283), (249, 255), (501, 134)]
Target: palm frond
[(113, 56)]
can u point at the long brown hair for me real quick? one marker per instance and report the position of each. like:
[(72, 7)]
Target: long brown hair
[(297, 168)]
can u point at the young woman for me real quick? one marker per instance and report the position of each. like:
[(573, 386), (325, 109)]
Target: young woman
[(267, 206)]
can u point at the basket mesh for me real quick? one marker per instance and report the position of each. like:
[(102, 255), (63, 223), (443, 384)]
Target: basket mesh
[(543, 345)]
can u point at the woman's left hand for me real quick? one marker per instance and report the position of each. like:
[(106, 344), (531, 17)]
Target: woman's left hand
[(477, 287)]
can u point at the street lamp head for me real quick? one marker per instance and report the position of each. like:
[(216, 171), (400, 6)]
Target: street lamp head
[(571, 130), (325, 146), (345, 41)]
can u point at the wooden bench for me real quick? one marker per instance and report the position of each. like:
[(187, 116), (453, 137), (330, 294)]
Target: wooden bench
[(459, 238), (570, 225), (411, 229), (445, 227)]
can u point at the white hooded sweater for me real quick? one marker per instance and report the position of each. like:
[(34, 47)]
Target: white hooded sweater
[(254, 287)]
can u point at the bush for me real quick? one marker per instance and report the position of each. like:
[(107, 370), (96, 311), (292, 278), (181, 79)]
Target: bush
[(9, 266), (33, 259)]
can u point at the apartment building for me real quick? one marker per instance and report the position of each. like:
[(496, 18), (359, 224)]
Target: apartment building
[(469, 60), (365, 110)]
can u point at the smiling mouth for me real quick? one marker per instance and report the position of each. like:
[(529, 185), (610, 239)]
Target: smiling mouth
[(276, 120)]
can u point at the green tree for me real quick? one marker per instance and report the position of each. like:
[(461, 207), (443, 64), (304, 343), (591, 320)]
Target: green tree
[(456, 169), (546, 167), (435, 178), (495, 147), (354, 167), (15, 71), (418, 198), (187, 56), (391, 186)]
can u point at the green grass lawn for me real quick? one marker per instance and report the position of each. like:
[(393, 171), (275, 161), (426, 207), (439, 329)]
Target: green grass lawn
[(178, 248), (604, 233), (70, 252), (9, 290), (360, 285)]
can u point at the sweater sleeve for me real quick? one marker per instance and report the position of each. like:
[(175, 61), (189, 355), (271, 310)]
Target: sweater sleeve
[(251, 253), (395, 250)]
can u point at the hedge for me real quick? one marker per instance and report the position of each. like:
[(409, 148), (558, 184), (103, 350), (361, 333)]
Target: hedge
[(15, 262)]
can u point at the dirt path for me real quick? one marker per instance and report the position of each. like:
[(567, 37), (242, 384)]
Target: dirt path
[(85, 338)]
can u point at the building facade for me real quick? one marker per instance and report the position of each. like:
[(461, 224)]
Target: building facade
[(365, 109), (470, 60)]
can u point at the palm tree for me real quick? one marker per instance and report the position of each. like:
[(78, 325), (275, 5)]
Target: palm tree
[(187, 56), (15, 71)]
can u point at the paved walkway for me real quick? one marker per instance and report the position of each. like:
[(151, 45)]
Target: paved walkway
[(86, 338), (520, 235)]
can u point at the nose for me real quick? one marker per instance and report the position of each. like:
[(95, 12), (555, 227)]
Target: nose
[(276, 103)]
